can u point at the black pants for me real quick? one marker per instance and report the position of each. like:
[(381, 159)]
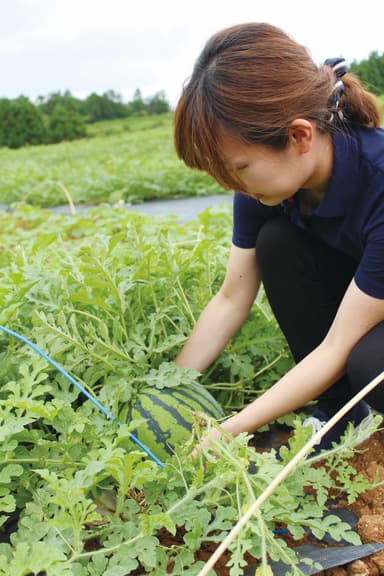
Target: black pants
[(305, 280)]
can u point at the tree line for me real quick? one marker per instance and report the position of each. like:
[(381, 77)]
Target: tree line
[(62, 116)]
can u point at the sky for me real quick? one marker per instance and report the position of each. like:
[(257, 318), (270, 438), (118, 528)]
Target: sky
[(90, 46)]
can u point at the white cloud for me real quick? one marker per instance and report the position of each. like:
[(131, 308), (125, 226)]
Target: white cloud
[(10, 47)]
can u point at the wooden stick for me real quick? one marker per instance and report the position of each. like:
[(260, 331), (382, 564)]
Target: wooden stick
[(286, 471)]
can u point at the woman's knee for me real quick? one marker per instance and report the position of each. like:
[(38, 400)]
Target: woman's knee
[(365, 363)]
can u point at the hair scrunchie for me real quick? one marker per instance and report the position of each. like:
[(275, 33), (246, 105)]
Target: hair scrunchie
[(339, 67)]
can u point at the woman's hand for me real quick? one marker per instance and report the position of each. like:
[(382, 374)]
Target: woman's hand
[(211, 433), (221, 432)]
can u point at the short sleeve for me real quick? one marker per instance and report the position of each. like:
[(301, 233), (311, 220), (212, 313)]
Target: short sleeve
[(249, 215), (369, 275)]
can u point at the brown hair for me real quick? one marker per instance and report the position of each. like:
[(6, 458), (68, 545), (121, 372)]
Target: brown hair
[(253, 80)]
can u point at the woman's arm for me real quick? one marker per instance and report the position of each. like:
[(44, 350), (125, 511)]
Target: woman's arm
[(357, 314), (225, 313)]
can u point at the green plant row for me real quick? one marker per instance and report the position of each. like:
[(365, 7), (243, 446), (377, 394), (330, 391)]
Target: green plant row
[(111, 296), (130, 160)]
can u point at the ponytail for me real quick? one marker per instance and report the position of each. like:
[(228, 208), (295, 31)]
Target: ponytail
[(360, 107)]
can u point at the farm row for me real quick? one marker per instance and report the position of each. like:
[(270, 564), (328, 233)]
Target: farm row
[(129, 160)]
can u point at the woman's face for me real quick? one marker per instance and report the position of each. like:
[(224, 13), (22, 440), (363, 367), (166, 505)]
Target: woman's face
[(268, 175)]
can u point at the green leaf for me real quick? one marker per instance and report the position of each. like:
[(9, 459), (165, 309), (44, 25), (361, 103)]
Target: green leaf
[(7, 503), (10, 471), (155, 521)]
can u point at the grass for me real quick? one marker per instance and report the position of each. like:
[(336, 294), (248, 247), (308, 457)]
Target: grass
[(130, 160)]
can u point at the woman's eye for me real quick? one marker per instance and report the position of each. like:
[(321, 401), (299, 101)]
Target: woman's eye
[(242, 167)]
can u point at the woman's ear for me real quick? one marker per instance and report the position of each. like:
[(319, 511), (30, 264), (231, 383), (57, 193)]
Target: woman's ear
[(300, 135)]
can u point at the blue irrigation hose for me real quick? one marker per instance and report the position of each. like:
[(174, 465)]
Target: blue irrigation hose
[(82, 390)]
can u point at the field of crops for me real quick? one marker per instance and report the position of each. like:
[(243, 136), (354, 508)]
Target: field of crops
[(131, 160), (111, 296)]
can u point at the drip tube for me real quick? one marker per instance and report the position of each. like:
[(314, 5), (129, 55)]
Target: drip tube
[(85, 392)]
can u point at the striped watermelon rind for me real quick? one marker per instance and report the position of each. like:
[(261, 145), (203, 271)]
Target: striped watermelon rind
[(168, 415)]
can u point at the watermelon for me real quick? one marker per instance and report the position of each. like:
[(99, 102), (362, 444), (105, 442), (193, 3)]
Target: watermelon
[(168, 415)]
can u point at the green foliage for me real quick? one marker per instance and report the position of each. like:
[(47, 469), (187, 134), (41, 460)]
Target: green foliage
[(114, 305), (65, 124), (111, 296), (60, 117), (48, 104), (371, 72), (158, 103), (128, 160), (20, 123), (137, 106), (104, 107)]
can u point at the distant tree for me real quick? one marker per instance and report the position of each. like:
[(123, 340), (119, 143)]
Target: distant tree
[(21, 123), (65, 123), (371, 72), (63, 116), (114, 97), (5, 120), (47, 104), (105, 107), (137, 106), (158, 103)]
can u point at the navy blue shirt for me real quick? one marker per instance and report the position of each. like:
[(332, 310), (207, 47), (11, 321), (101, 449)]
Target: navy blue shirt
[(350, 216)]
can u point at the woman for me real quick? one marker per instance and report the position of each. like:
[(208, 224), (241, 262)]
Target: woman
[(302, 147)]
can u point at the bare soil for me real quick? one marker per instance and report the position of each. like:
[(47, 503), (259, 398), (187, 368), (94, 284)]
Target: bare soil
[(369, 508)]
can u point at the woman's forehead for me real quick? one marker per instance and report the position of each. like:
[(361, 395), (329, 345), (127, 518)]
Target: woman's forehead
[(231, 144), (234, 150)]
